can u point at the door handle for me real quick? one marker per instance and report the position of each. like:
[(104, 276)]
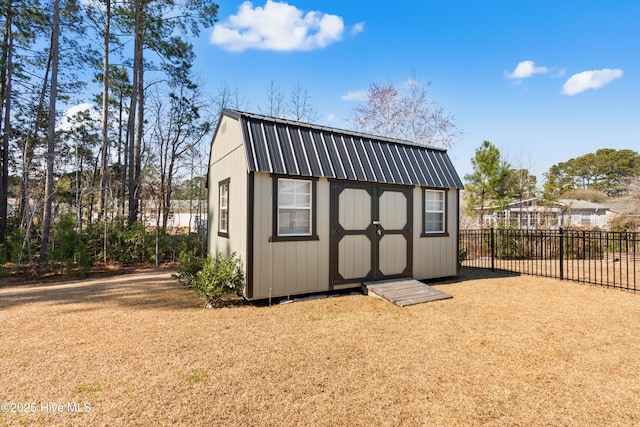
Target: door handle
[(379, 232)]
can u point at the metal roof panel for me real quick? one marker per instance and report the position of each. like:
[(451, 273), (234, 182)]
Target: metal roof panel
[(259, 146), (290, 158), (272, 144), (293, 148), (356, 161), (321, 150)]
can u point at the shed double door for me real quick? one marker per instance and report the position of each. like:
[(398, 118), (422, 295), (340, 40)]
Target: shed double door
[(371, 235)]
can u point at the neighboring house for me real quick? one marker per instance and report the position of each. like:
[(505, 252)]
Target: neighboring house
[(581, 213), (310, 208), (185, 216), (535, 214), (529, 214)]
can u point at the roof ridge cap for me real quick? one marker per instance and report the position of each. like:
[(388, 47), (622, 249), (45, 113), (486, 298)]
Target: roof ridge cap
[(240, 114)]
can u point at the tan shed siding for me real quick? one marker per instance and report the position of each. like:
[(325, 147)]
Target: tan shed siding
[(228, 161), (435, 257), (211, 226), (289, 268)]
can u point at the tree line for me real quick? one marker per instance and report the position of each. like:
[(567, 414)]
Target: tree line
[(606, 174), (151, 114)]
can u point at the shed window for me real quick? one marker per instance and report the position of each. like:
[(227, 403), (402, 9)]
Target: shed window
[(294, 214), (434, 212), (294, 207), (223, 208)]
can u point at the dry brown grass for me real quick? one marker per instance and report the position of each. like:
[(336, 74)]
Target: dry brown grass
[(140, 350), (621, 274)]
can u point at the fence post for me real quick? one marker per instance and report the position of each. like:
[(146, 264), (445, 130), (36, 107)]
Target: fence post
[(493, 250), (561, 254)]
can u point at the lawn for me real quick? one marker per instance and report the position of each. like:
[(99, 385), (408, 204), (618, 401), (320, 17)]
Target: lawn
[(140, 350)]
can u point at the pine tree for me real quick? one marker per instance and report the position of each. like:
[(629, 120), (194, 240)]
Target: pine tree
[(486, 184)]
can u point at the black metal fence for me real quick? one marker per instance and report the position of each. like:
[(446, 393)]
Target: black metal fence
[(596, 257)]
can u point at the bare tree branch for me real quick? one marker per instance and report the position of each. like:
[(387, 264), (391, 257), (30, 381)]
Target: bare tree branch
[(276, 105), (410, 114), (300, 105)]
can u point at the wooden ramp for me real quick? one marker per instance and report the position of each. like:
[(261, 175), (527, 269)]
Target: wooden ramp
[(405, 291)]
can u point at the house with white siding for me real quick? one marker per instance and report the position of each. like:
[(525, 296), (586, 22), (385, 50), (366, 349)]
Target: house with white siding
[(585, 214), (537, 214)]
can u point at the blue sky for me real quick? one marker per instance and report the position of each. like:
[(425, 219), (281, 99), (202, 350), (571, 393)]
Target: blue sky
[(544, 81)]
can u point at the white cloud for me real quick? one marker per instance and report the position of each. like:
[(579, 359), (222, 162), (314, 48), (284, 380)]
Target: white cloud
[(359, 95), (97, 4), (277, 26), (593, 79), (358, 28), (68, 116), (526, 69), (331, 117)]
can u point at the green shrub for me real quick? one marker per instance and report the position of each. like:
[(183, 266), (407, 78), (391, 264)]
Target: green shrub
[(129, 243), (188, 243), (136, 241), (219, 277), (10, 250), (164, 246), (70, 251), (117, 247), (189, 265)]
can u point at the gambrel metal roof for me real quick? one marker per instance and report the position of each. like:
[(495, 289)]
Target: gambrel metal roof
[(294, 148)]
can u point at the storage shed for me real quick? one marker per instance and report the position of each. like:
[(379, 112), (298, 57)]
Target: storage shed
[(310, 208)]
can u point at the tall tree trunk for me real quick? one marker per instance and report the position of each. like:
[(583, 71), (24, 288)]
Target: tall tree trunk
[(134, 128), (51, 133), (104, 181), (27, 153), (104, 151), (191, 190), (78, 198), (168, 192), (139, 133), (123, 152), (132, 205), (163, 156), (5, 100)]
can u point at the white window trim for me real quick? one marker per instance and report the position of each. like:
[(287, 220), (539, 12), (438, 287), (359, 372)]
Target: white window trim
[(426, 211), (225, 209), (294, 207)]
